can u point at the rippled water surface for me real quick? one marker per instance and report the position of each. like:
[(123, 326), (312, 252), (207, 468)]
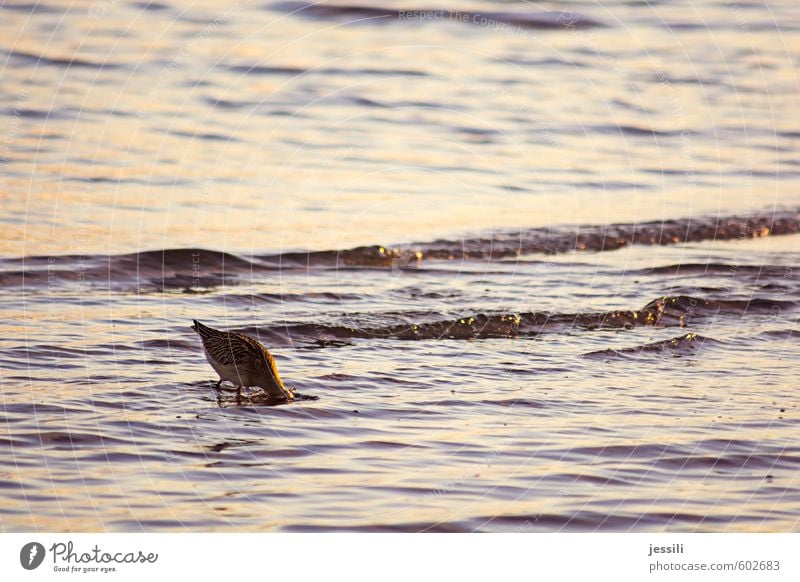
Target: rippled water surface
[(537, 261)]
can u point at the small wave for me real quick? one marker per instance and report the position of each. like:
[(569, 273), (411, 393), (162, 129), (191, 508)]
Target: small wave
[(684, 345), (417, 292), (179, 258), (681, 309), (597, 521), (32, 7), (595, 238), (27, 59), (726, 269), (230, 104), (573, 521), (205, 136), (365, 256), (190, 268), (169, 344), (490, 19), (627, 451), (781, 334), (45, 114), (158, 270), (72, 440), (281, 298), (370, 72), (264, 70), (631, 131), (662, 312), (52, 352), (730, 462), (151, 6)]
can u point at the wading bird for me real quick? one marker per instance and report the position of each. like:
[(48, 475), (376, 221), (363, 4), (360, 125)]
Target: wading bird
[(242, 361)]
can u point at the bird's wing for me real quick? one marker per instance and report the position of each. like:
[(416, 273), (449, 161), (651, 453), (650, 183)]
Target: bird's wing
[(259, 354)]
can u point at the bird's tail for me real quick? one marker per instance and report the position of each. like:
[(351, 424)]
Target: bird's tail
[(202, 330)]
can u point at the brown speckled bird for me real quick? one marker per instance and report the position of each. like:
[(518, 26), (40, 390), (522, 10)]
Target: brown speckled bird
[(241, 360)]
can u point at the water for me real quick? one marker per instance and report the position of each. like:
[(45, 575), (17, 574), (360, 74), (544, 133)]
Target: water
[(537, 261)]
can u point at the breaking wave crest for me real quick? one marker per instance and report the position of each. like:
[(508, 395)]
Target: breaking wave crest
[(662, 312), (202, 268)]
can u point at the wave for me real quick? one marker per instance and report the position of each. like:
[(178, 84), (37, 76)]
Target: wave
[(192, 268), (555, 240), (166, 269), (662, 312), (31, 7), (151, 6), (684, 345), (27, 59), (262, 70), (784, 334), (726, 269), (614, 519), (489, 18)]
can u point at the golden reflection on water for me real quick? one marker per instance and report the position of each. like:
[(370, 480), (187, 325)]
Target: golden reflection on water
[(340, 156)]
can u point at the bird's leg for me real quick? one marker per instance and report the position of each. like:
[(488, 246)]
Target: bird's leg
[(219, 386)]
